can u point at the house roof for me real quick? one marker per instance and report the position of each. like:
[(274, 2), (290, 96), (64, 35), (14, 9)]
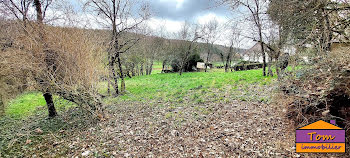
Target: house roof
[(255, 48), (320, 125)]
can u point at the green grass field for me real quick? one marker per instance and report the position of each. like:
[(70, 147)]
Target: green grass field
[(31, 102), (194, 87), (174, 88)]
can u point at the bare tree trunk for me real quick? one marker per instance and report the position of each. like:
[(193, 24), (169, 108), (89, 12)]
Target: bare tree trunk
[(148, 66), (114, 75), (122, 86), (39, 13), (50, 104), (141, 68), (262, 51), (137, 70), (2, 106), (181, 70), (115, 55), (133, 69), (227, 63), (49, 61), (163, 65), (207, 57), (270, 73), (228, 59), (151, 67), (328, 33), (183, 63), (128, 69)]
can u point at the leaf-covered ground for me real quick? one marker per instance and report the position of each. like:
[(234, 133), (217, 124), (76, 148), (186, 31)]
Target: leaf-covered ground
[(137, 130), (230, 129)]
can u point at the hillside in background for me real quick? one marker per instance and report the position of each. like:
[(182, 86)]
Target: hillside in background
[(215, 51)]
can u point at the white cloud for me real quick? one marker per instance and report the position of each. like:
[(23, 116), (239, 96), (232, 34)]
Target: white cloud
[(203, 19), (169, 26)]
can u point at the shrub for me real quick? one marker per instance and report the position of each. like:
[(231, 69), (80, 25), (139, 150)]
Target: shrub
[(67, 63), (190, 65), (320, 91)]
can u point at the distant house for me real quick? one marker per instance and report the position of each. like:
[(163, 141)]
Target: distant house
[(200, 65), (254, 53)]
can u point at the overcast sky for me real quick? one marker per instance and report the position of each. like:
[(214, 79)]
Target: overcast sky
[(186, 9), (171, 14)]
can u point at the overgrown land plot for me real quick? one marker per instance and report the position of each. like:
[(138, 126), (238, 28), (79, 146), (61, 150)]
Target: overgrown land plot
[(174, 78), (209, 114)]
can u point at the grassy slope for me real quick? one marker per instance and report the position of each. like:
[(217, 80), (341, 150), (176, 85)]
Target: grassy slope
[(197, 87)]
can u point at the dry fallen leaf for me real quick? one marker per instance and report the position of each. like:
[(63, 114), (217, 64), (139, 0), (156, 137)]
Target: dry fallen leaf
[(324, 113), (39, 131), (28, 141)]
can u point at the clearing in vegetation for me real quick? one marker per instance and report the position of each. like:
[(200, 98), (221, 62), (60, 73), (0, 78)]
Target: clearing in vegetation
[(196, 114)]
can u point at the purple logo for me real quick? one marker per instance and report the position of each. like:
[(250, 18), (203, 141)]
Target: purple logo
[(320, 137)]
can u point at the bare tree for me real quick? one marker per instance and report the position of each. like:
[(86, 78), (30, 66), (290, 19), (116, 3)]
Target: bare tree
[(119, 16), (234, 43), (315, 22), (188, 35), (210, 34), (256, 10), (47, 57), (20, 9)]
